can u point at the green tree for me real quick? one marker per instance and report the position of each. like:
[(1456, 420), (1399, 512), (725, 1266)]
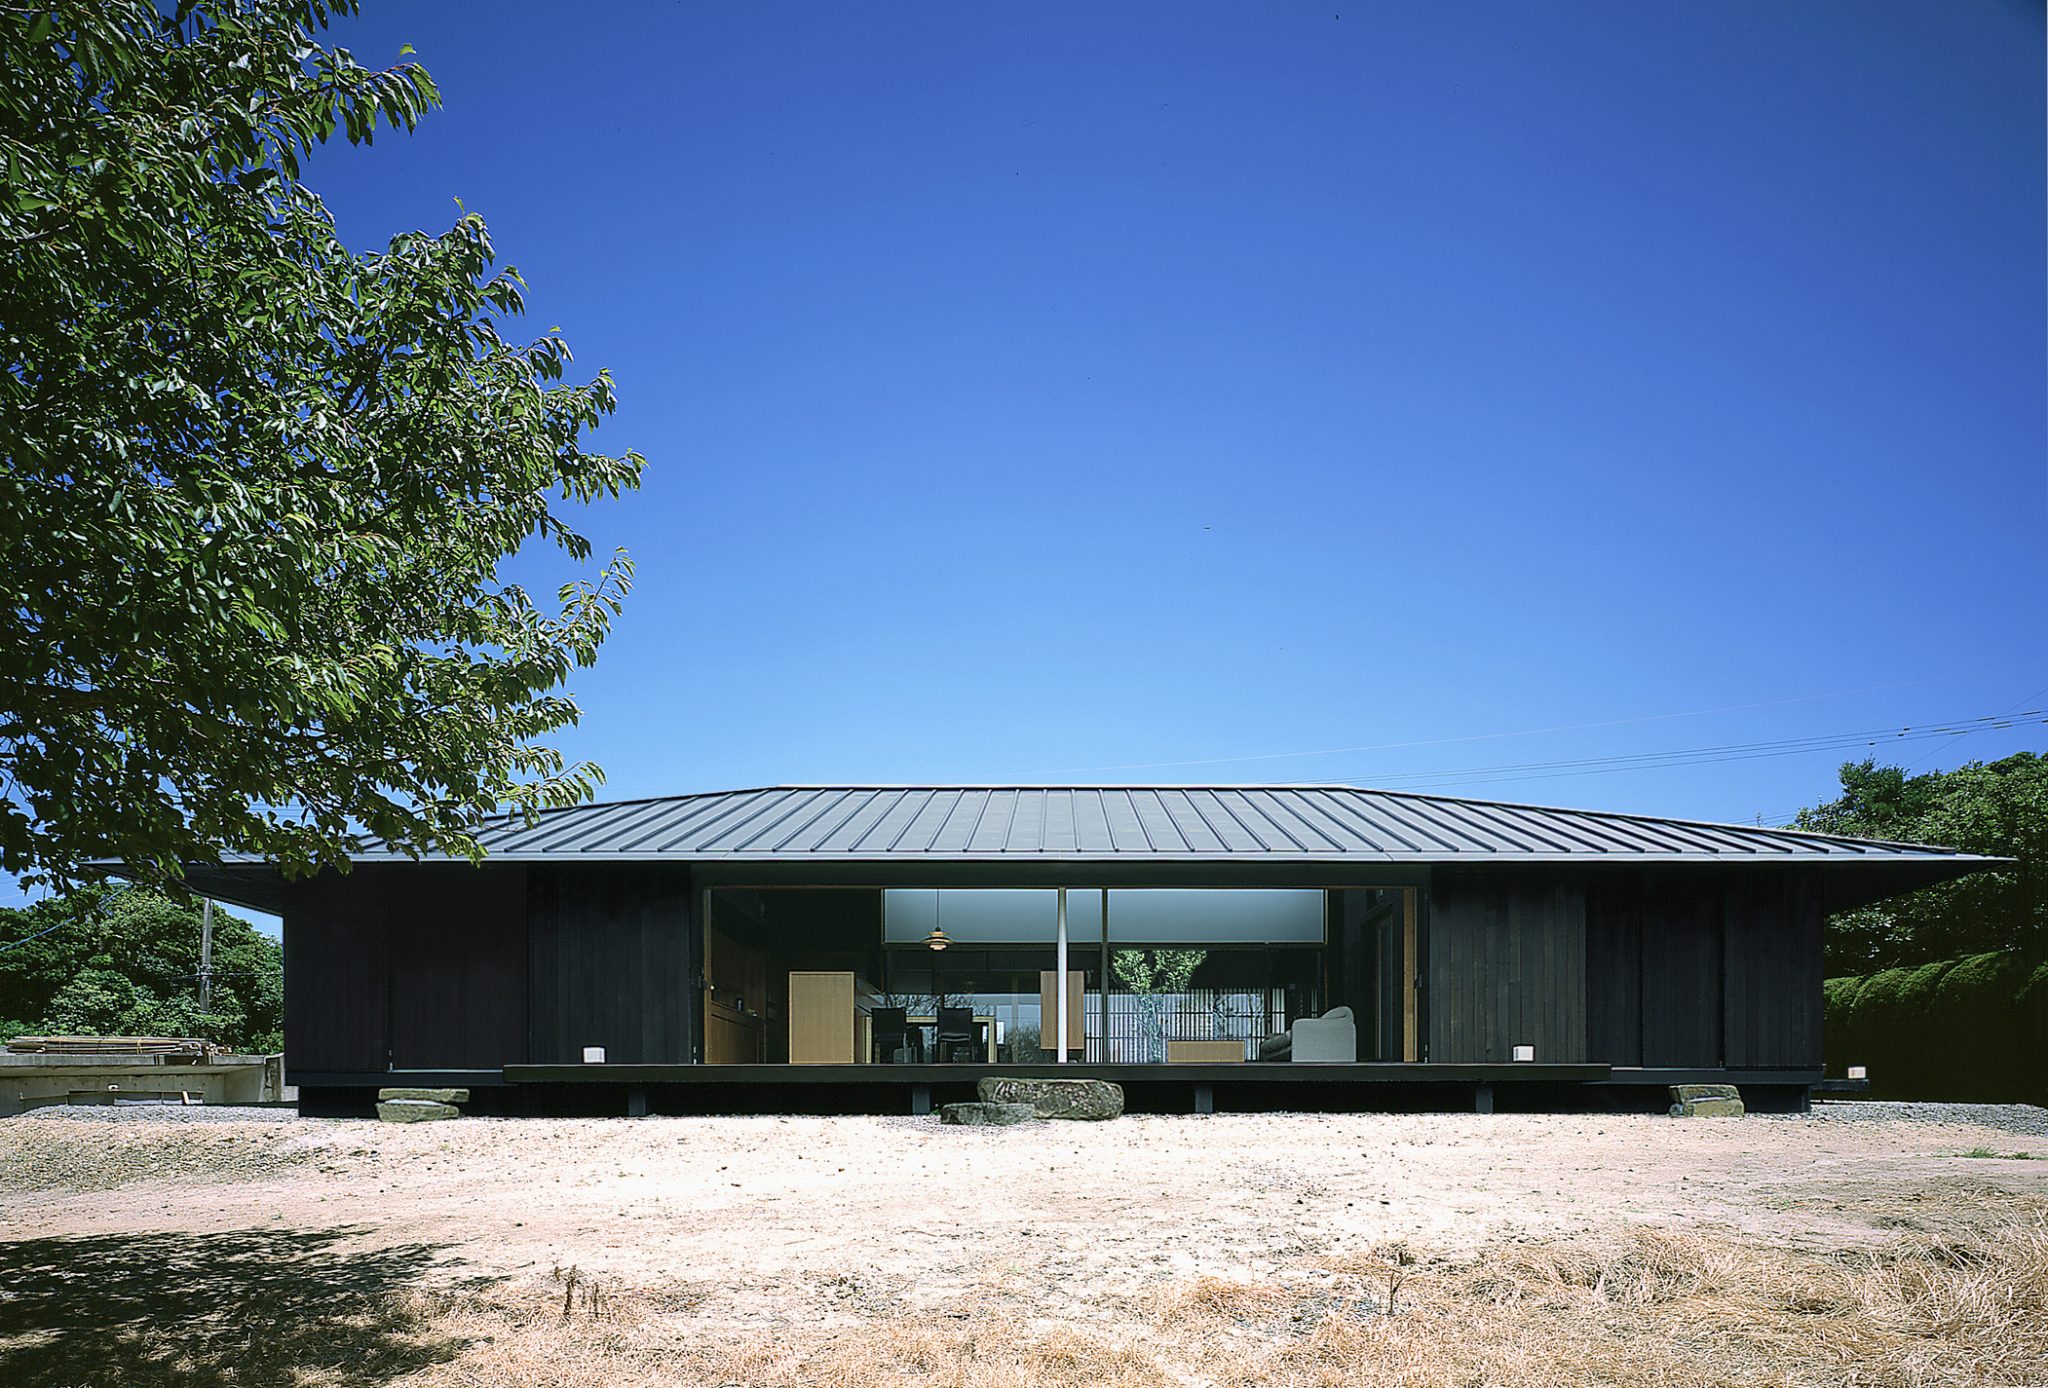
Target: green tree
[(258, 486), (1999, 809), (1153, 975), (120, 961)]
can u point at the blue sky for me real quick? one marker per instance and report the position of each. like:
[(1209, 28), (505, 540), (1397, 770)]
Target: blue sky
[(1137, 392)]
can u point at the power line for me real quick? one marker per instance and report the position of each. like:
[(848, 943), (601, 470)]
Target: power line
[(50, 930), (1784, 819), (1561, 728), (1692, 756)]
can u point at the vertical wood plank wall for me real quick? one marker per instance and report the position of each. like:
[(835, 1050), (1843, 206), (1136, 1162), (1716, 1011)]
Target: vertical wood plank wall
[(613, 963), (420, 966), (434, 966), (1704, 968), (337, 977), (1507, 966)]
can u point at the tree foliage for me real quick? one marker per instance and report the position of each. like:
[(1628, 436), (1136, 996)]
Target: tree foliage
[(259, 485), (1999, 809), (1156, 972), (125, 961), (1966, 1029)]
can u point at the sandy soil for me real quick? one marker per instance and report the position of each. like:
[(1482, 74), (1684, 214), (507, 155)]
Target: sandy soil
[(751, 1221), (734, 1202)]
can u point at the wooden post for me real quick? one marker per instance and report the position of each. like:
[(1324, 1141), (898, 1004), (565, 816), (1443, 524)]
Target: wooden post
[(1060, 987), (206, 955)]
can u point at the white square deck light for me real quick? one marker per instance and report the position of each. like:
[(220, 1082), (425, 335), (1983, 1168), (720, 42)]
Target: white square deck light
[(593, 1055), (1858, 1072), (1525, 1053)]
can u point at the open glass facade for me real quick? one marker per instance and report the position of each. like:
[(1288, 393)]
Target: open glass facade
[(1156, 975)]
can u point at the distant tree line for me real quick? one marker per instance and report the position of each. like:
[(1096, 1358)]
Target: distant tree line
[(1943, 992), (124, 961), (1999, 809)]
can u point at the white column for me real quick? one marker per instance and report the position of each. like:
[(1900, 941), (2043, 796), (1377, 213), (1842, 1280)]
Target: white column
[(1059, 983)]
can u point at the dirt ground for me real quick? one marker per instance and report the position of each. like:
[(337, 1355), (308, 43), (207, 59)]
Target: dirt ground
[(1271, 1248)]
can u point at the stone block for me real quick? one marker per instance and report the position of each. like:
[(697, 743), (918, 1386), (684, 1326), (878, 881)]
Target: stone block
[(981, 1115), (1082, 1099), (1708, 1108), (1686, 1093), (415, 1111), (432, 1096)]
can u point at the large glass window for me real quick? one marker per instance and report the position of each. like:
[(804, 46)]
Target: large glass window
[(970, 915), (1178, 973), (1206, 974), (997, 963), (1204, 915)]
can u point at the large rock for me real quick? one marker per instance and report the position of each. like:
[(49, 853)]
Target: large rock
[(415, 1111), (987, 1115), (1088, 1099), (432, 1096), (1706, 1101)]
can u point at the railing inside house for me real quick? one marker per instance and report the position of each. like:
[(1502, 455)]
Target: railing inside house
[(1141, 1025)]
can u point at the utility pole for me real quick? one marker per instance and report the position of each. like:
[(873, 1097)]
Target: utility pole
[(206, 956)]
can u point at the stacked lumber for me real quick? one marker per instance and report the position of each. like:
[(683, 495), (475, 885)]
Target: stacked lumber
[(107, 1045)]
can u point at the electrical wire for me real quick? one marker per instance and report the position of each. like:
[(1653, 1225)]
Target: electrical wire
[(1693, 756), (1561, 728), (26, 939)]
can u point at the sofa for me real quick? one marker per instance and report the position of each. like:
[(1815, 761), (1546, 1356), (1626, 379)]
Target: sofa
[(1329, 1039)]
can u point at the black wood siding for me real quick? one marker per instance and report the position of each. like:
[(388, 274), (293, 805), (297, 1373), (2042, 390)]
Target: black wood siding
[(1704, 967), (416, 966), (337, 980), (1507, 966), (613, 959), (458, 967), (1772, 938)]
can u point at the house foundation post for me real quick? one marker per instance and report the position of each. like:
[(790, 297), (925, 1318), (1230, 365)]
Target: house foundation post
[(1482, 1098), (1205, 1098), (636, 1102), (920, 1098)]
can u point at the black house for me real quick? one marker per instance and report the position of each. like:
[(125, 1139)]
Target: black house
[(1255, 946)]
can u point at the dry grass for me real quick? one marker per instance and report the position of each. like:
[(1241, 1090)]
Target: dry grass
[(1641, 1307)]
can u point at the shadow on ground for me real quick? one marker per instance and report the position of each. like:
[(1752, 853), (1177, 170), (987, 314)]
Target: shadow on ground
[(247, 1307)]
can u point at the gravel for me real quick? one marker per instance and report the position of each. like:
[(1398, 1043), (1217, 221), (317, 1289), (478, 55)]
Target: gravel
[(70, 1147), (160, 1113), (2024, 1119)]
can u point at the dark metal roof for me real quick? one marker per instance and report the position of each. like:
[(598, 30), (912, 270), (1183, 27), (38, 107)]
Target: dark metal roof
[(1130, 823)]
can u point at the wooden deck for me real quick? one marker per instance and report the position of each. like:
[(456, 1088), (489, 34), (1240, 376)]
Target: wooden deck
[(1369, 1072)]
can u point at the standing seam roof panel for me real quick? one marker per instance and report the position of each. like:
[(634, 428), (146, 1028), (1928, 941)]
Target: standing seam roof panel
[(1297, 813), (684, 819), (1269, 837), (922, 832), (1160, 827), (861, 817), (1195, 831), (1236, 838), (1527, 835), (1384, 821), (759, 821), (1341, 832), (1140, 821), (958, 826)]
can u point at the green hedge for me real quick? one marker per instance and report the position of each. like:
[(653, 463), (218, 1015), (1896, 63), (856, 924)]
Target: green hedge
[(1967, 1029)]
